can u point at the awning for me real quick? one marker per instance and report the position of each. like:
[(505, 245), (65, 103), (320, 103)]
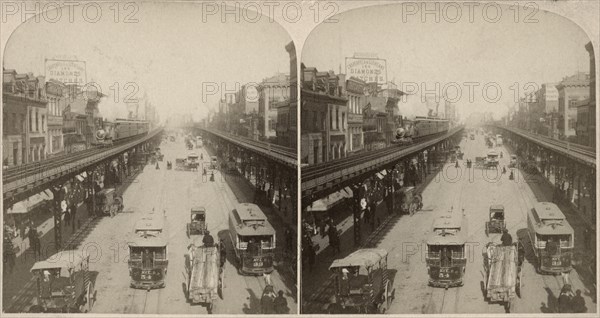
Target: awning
[(381, 174), (325, 204), (30, 203), (348, 193)]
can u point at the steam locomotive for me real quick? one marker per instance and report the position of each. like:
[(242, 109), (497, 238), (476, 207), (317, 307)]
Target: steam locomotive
[(419, 128), (108, 132)]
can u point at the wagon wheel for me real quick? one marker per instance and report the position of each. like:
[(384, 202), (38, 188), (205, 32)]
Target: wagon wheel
[(519, 286), (387, 299), (90, 298), (413, 208), (221, 283), (119, 201)]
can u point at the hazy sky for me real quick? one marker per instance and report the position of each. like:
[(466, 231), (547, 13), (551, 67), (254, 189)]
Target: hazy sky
[(426, 51), (169, 53)]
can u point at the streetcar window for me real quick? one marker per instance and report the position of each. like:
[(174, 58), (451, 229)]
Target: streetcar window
[(565, 240), (264, 241), (135, 253)]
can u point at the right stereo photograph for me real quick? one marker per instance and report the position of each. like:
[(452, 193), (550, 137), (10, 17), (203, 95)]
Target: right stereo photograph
[(448, 162)]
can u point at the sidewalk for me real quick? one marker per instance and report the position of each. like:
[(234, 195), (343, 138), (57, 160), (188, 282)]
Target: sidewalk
[(20, 277), (583, 262), (18, 286), (320, 275)]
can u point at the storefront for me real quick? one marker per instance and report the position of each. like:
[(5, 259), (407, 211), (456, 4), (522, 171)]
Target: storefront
[(34, 209)]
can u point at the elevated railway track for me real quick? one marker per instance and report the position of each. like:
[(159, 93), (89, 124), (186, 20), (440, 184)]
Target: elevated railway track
[(285, 155), (26, 179), (320, 179)]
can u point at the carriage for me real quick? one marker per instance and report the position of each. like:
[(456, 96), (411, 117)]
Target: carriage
[(64, 283), (503, 279), (148, 258), (108, 202), (410, 201), (362, 283), (204, 274), (158, 154), (496, 224), (513, 161), (213, 163), (491, 161), (197, 225), (445, 258)]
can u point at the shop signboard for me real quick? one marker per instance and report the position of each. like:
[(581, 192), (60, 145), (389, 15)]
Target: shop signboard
[(66, 71), (367, 69)]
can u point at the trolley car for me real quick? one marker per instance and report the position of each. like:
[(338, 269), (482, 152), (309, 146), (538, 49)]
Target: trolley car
[(253, 239), (445, 258), (551, 237), (148, 255)]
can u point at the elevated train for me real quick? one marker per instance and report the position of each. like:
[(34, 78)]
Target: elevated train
[(420, 127), (118, 130)]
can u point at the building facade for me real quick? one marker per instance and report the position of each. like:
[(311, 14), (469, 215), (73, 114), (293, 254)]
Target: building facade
[(273, 91), (287, 127), (55, 91), (354, 91), (571, 90), (323, 117), (586, 110)]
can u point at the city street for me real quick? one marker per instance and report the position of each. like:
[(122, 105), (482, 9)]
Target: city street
[(474, 193), (174, 192)]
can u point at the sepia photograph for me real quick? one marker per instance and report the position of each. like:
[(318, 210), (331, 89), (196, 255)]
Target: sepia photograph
[(149, 159), (448, 161)]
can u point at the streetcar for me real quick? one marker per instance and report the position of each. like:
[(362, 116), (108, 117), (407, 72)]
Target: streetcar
[(148, 255), (445, 258), (551, 237), (253, 239)]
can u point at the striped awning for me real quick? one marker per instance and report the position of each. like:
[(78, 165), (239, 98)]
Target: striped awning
[(325, 204), (30, 203)]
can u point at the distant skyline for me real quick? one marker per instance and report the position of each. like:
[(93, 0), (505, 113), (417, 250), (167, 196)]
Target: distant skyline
[(463, 55), (169, 54)]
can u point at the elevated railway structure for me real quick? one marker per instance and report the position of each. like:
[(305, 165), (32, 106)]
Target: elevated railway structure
[(263, 161), (570, 167), (21, 182), (358, 172)]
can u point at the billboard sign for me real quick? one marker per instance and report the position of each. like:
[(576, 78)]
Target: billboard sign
[(66, 71), (367, 69)]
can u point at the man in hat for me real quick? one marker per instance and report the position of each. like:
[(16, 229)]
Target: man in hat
[(506, 238), (208, 240), (281, 305)]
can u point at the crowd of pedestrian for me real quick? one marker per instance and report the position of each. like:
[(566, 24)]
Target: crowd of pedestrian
[(569, 302)]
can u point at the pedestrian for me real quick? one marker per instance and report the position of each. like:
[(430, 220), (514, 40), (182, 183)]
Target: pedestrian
[(33, 240), (222, 252), (564, 300), (506, 238), (9, 254), (311, 256), (334, 239), (281, 305), (288, 238), (267, 301), (67, 217), (73, 217), (587, 238), (578, 303)]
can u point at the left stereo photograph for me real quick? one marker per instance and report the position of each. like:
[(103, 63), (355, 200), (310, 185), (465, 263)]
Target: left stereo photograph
[(149, 161)]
